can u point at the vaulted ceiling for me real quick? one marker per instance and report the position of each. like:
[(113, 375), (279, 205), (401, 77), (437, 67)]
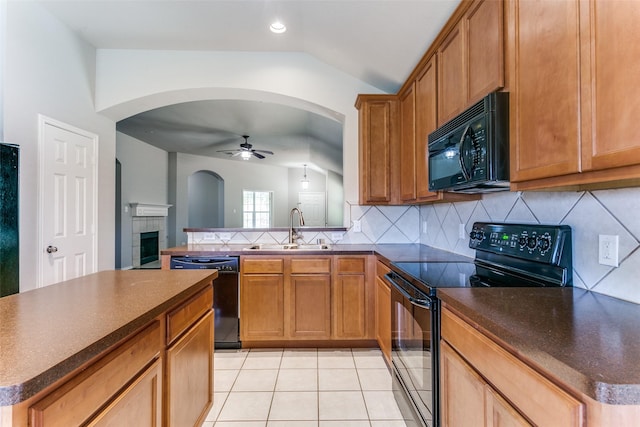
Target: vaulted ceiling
[(376, 41)]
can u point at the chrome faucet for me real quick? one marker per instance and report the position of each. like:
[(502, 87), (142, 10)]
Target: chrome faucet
[(293, 236)]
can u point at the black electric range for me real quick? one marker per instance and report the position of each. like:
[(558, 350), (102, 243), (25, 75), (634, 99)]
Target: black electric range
[(507, 255)]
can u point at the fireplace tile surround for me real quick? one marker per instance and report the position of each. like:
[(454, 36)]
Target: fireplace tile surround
[(144, 225)]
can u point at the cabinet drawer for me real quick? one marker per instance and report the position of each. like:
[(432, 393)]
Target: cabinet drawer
[(262, 266), (381, 270), (351, 265), (310, 265), (77, 400), (180, 318), (535, 396)]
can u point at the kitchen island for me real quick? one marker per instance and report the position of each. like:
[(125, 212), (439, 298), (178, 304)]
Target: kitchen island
[(108, 345)]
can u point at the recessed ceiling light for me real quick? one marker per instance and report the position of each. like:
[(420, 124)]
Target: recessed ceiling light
[(278, 27)]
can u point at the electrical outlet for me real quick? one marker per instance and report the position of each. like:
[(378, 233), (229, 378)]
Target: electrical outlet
[(424, 227), (357, 226), (608, 250), (462, 233), (225, 237), (209, 237), (336, 236)]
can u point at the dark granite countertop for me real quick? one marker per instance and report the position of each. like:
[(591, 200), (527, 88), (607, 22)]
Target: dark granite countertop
[(589, 341), (387, 252), (49, 332)]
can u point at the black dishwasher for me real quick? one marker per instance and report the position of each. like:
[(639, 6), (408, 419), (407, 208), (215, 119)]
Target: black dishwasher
[(225, 294)]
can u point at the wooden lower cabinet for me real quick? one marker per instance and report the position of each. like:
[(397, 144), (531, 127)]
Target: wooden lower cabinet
[(480, 380), (161, 375), (306, 298), (262, 307), (310, 306), (350, 306), (102, 382), (482, 405), (140, 404), (383, 311), (353, 298), (189, 375)]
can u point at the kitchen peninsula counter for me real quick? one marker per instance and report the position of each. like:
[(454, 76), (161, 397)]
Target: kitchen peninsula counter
[(49, 333), (582, 339)]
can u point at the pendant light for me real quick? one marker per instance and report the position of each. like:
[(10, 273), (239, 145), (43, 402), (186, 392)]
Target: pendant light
[(304, 181)]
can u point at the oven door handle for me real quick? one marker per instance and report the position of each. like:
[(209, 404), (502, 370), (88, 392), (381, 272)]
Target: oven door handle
[(418, 302)]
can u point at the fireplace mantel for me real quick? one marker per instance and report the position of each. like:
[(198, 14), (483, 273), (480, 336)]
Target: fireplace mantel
[(148, 209)]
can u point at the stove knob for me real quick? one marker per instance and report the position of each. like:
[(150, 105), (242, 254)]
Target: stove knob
[(532, 242), (544, 243), (472, 235), (522, 241)]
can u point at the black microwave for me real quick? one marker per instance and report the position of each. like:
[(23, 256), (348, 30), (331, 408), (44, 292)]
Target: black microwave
[(470, 153)]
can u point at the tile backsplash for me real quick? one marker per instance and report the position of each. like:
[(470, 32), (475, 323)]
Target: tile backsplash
[(589, 213)]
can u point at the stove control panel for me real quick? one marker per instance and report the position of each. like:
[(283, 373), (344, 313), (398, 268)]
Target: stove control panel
[(545, 243)]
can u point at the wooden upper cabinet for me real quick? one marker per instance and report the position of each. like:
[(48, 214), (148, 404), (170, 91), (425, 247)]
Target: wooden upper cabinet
[(426, 122), (408, 144), (545, 88), (377, 122), (484, 25), (610, 70), (471, 58), (452, 75)]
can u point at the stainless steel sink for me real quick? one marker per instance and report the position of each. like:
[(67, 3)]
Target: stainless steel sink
[(287, 247)]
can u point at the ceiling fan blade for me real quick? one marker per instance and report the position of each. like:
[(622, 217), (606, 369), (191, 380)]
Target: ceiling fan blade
[(260, 156), (263, 151), (227, 151)]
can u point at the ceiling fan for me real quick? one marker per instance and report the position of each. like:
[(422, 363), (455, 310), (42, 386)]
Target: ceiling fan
[(246, 151)]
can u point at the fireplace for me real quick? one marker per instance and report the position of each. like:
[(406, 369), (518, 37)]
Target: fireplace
[(148, 234), (148, 247)]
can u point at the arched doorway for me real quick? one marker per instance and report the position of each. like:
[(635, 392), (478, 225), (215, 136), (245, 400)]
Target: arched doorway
[(206, 200)]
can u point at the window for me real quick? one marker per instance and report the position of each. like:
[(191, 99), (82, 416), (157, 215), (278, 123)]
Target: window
[(256, 209)]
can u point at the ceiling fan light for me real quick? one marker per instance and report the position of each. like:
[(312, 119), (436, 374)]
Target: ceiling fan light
[(245, 155), (278, 27)]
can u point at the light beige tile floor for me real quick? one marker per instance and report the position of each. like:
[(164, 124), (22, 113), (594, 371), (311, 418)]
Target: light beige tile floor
[(302, 388)]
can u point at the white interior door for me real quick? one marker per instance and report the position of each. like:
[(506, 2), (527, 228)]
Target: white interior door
[(313, 207), (67, 202)]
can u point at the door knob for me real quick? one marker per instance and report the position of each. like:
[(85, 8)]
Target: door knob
[(51, 249)]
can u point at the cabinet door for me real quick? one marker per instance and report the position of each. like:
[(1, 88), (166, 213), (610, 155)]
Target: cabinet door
[(261, 306), (189, 375), (545, 88), (426, 122), (611, 96), (377, 140), (462, 391), (485, 48), (140, 404), (500, 413), (310, 306), (407, 145), (383, 317), (452, 77), (350, 306)]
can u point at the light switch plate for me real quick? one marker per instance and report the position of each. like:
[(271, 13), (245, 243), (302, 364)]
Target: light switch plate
[(462, 233), (357, 226), (608, 250)]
